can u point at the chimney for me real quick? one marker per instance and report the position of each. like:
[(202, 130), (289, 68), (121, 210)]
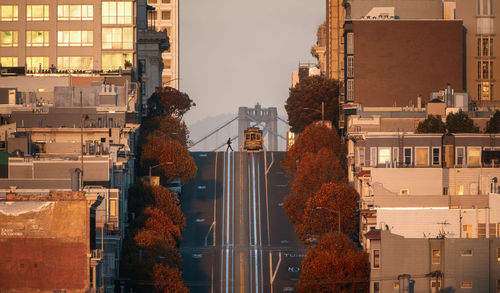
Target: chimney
[(419, 102)]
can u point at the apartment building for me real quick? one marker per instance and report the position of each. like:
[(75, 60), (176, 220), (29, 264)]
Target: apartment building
[(337, 11), (426, 185), (58, 36), (481, 26), (393, 62), (57, 133), (403, 264), (166, 18), (49, 236)]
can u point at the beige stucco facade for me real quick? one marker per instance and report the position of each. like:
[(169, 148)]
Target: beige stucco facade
[(68, 35), (167, 18), (481, 28)]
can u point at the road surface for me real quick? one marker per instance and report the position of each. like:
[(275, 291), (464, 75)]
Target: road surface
[(237, 237)]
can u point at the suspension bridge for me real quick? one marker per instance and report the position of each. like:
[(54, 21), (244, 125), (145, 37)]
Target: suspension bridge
[(265, 118)]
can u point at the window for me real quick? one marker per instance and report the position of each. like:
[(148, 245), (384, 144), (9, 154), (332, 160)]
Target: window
[(474, 156), (376, 258), (436, 156), (75, 38), (167, 63), (467, 229), (405, 191), (75, 63), (498, 286), (113, 208), (473, 188), (117, 12), (460, 189), (395, 155), (37, 12), (373, 157), (445, 190), (361, 156), (421, 156), (436, 256), (350, 66), (350, 89), (37, 38), (384, 155), (466, 284), (481, 230), (466, 252), (485, 70), (8, 13), (376, 287), (484, 7), (75, 12), (8, 39), (435, 286), (165, 1), (8, 61), (350, 43), (37, 63), (407, 157), (485, 46), (165, 15), (117, 38), (460, 156), (112, 61), (152, 1)]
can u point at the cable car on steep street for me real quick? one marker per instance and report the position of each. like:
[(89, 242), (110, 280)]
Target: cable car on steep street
[(253, 139)]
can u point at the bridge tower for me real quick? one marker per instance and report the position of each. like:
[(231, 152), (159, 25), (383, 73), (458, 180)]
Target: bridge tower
[(258, 116)]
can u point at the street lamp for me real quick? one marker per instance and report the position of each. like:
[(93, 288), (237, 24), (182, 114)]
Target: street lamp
[(168, 81), (333, 212), (322, 112), (161, 164)]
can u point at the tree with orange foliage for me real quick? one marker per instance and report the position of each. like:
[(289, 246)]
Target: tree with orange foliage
[(324, 209), (168, 280), (154, 234), (169, 101), (311, 140), (166, 126), (335, 265), (173, 158), (168, 203), (310, 92), (313, 171)]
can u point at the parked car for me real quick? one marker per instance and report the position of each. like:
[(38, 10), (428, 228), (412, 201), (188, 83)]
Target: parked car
[(175, 186)]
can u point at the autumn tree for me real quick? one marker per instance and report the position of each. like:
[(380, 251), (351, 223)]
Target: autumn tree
[(309, 93), (493, 125), (312, 139), (169, 101), (432, 124), (460, 123), (172, 158), (335, 265), (166, 126), (333, 202), (155, 234), (167, 279), (313, 171)]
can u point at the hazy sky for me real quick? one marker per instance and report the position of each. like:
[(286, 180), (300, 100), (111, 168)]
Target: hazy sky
[(237, 53)]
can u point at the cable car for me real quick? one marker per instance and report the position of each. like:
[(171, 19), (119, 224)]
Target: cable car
[(253, 139)]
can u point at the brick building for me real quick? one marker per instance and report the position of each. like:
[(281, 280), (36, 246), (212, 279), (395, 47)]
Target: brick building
[(392, 62)]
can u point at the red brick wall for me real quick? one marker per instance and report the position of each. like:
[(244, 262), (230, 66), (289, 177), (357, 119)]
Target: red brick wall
[(43, 264), (44, 245), (395, 61)]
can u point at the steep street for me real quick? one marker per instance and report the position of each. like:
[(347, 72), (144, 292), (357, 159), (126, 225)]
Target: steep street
[(237, 237)]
